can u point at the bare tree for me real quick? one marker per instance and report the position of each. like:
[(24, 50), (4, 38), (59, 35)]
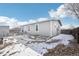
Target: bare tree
[(72, 9)]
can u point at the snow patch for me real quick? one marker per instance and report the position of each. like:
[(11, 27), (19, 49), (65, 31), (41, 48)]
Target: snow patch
[(20, 47), (63, 38), (28, 52), (42, 47)]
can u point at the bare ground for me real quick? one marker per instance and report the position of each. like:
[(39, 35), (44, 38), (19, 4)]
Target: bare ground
[(62, 50)]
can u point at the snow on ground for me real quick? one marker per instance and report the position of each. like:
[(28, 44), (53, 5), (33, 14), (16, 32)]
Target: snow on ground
[(16, 49), (20, 47), (42, 47), (28, 52), (63, 38)]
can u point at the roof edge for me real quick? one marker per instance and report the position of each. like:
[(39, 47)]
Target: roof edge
[(44, 21)]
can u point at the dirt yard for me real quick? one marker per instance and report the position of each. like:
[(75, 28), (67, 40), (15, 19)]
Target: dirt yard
[(62, 50)]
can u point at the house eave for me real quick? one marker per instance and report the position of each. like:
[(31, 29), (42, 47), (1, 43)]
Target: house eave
[(44, 21)]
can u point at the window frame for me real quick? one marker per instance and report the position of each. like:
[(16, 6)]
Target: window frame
[(36, 27)]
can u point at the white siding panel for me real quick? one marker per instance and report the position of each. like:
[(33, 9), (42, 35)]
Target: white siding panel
[(49, 28), (43, 29), (56, 27)]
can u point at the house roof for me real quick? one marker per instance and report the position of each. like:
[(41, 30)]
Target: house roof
[(44, 21), (3, 24)]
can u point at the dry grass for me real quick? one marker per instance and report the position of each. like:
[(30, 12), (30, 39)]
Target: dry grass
[(62, 50)]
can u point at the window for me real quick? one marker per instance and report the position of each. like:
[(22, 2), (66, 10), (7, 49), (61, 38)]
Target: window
[(36, 27)]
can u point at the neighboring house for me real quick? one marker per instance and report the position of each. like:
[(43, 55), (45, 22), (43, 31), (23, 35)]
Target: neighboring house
[(43, 28), (14, 30), (4, 31)]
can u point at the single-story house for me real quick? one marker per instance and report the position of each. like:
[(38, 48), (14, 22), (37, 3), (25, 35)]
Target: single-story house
[(14, 31), (4, 31), (43, 28)]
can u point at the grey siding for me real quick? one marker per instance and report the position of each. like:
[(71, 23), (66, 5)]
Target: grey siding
[(4, 31)]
